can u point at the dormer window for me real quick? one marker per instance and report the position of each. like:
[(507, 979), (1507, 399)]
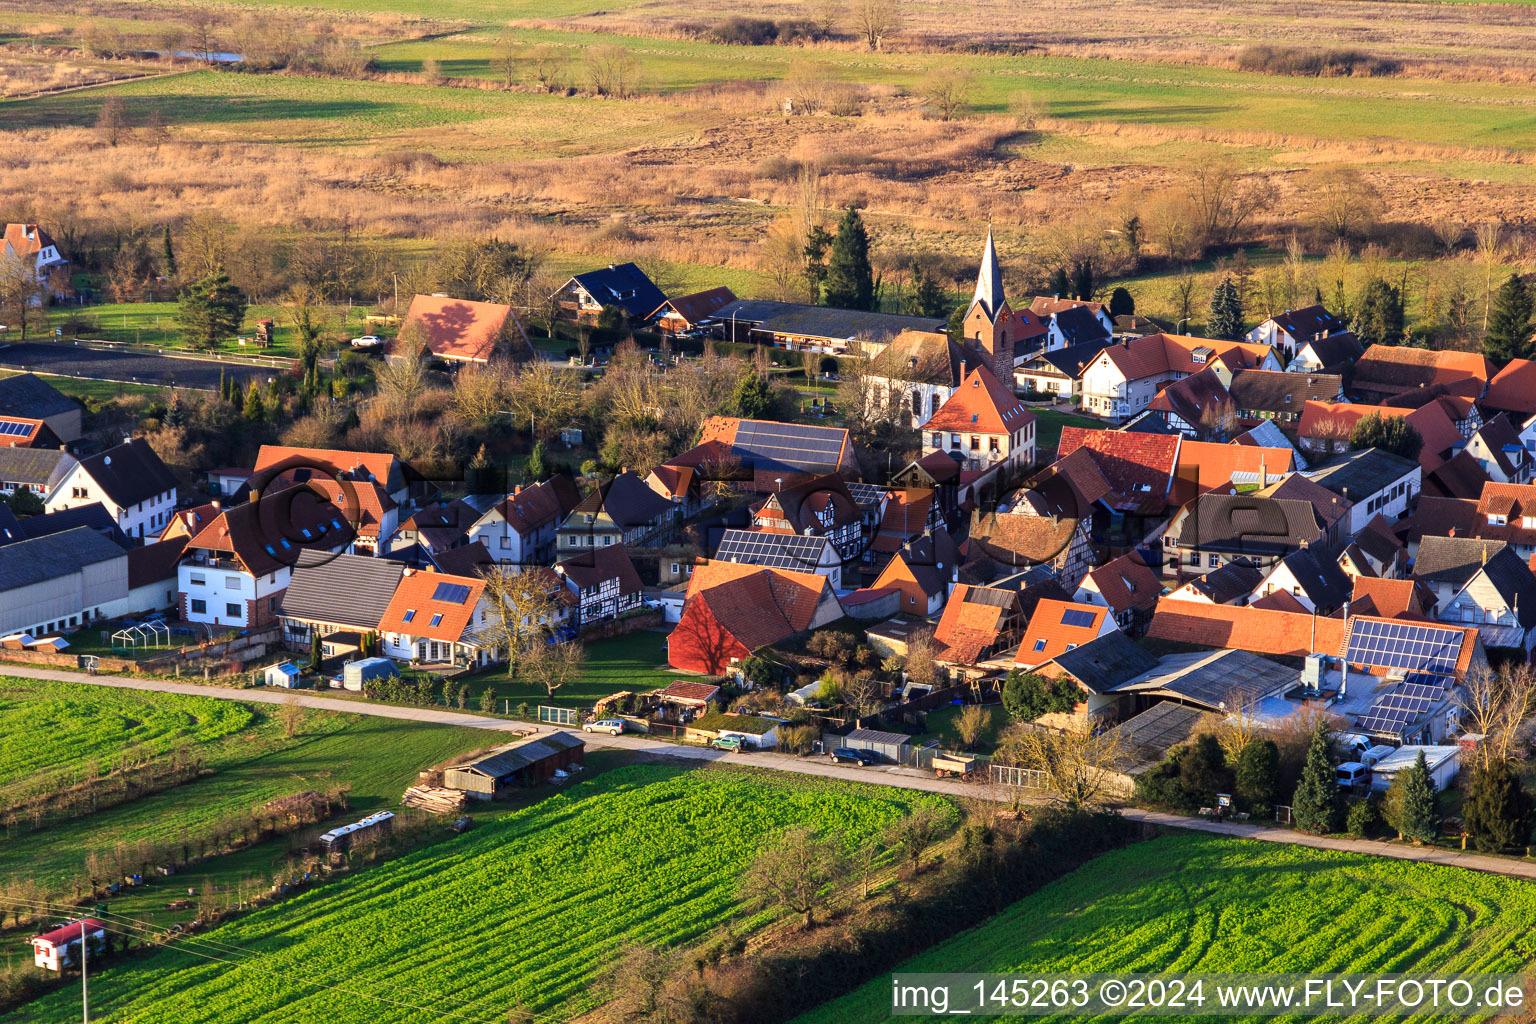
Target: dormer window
[(1494, 520)]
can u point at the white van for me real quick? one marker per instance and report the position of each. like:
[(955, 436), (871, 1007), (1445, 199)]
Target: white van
[(1351, 774)]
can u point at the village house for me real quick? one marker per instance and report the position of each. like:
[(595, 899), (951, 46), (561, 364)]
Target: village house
[(1203, 466), (1127, 586), (1229, 583), (1056, 627), (521, 529), (935, 472), (978, 624), (1019, 536), (432, 531), (368, 507), (734, 610), (622, 511), (686, 314), (801, 553), (604, 581), (436, 618), (1197, 406), (1375, 550), (909, 513), (1390, 599), (1288, 330), (916, 373), (684, 486), (1334, 354), (1281, 395), (763, 455), (1500, 453), (1512, 391), (1123, 480), (236, 569), (1243, 627), (38, 470), (26, 396), (1220, 527), (38, 254), (1499, 598), (1325, 428), (1072, 321), (623, 286), (457, 331), (23, 432), (340, 599), (821, 506), (281, 465), (129, 480), (924, 571), (983, 426), (60, 948), (1384, 371), (1100, 668), (1124, 378), (1058, 373), (1373, 481), (1312, 578), (1446, 564)]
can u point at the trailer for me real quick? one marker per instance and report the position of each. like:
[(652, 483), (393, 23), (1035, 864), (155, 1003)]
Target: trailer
[(338, 840), (355, 673), (955, 764)]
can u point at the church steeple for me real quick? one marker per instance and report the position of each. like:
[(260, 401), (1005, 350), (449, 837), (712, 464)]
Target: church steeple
[(989, 281)]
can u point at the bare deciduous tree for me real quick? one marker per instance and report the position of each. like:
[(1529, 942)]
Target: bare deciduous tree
[(825, 15), (543, 395), (1225, 199), (522, 608), (549, 67), (913, 833), (972, 725), (922, 665), (1496, 704), (1340, 202), (291, 715), (1079, 766), (1173, 222), (402, 378), (554, 665), (876, 19), (796, 872), (808, 85), (613, 71), (112, 120), (947, 91)]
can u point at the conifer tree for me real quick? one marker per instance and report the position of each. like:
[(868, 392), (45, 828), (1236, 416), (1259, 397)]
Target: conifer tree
[(1121, 303), (211, 311), (1510, 327), (255, 409), (1315, 807), (1379, 319), (1226, 311), (1410, 803), (168, 260), (1497, 811), (850, 282)]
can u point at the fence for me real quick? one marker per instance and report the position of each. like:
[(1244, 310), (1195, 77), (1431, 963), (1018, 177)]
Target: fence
[(558, 716), (1283, 814), (1023, 778)]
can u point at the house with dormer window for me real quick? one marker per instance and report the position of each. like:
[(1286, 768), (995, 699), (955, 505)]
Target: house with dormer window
[(437, 618), (982, 426), (622, 511)]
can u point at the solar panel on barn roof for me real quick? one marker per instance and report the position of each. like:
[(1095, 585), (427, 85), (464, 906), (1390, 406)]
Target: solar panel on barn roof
[(12, 427), (789, 442), (1407, 646), (779, 550)]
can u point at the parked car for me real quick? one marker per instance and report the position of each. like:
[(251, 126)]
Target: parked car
[(1351, 774), (848, 755), (611, 726), (367, 341), (729, 743)]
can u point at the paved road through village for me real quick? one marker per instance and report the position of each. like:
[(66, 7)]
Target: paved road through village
[(906, 778)]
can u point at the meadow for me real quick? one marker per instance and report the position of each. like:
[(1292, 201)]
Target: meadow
[(635, 661), (1203, 904), (46, 726), (525, 911), (53, 725)]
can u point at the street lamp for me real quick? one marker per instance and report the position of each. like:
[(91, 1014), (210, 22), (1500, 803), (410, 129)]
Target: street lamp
[(1176, 326)]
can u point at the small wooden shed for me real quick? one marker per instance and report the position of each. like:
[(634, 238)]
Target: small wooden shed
[(524, 763)]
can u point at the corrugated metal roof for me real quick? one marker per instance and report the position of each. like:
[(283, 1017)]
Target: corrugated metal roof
[(349, 590), (516, 756)]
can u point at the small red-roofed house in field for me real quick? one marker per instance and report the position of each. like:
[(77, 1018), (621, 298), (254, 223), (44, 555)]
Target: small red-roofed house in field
[(457, 330), (54, 950)]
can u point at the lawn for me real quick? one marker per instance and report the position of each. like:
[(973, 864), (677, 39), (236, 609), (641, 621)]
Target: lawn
[(943, 726), (528, 909), (1204, 904), (154, 324), (634, 661), (1048, 427), (49, 724), (93, 390)]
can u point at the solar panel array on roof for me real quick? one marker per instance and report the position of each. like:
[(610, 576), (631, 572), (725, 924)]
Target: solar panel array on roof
[(789, 443), (1077, 617), (1403, 645), (779, 550), (453, 593), (11, 427), (866, 494), (1403, 704)]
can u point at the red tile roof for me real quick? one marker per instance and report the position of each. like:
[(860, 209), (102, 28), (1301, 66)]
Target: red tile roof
[(364, 502), (1157, 354), (459, 329), (1198, 399), (415, 597), (1139, 467), (969, 626), (1387, 598), (698, 305), (1513, 389), (378, 465), (528, 508), (595, 567), (22, 433), (1279, 601), (1046, 305), (1400, 368), (1046, 625), (26, 239), (1246, 628), (1330, 420), (1204, 465), (981, 405), (792, 595), (1127, 583), (267, 535)]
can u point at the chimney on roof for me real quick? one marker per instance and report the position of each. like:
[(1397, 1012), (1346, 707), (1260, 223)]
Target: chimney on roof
[(1451, 532)]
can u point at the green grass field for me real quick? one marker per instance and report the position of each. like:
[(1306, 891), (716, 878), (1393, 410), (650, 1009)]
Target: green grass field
[(46, 726), (1203, 904), (95, 390), (376, 757), (1048, 427), (530, 908)]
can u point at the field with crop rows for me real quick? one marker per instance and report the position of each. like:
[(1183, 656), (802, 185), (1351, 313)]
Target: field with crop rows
[(46, 725), (531, 907), (1194, 903)]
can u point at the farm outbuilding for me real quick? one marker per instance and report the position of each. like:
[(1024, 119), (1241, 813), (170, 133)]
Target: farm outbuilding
[(60, 948), (1443, 761), (339, 839), (524, 763)]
